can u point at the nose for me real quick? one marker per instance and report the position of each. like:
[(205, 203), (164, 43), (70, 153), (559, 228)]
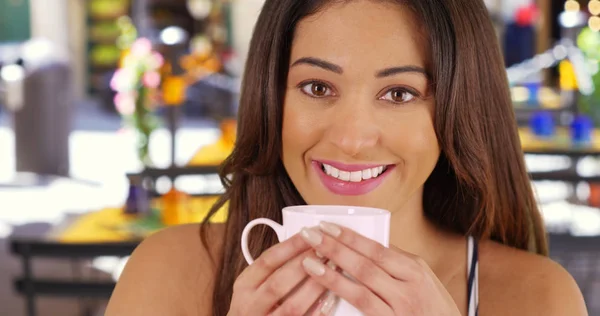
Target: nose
[(353, 129)]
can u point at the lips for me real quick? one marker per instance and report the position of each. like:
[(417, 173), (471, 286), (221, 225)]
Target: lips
[(346, 179)]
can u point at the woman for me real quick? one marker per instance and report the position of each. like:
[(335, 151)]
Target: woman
[(413, 92)]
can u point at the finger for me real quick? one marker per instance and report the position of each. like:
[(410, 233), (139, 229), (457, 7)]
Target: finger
[(399, 264), (283, 281), (302, 300), (353, 263), (328, 305), (356, 294), (269, 261)]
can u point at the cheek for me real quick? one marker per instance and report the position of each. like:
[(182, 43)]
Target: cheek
[(300, 131), (425, 141), (418, 144)]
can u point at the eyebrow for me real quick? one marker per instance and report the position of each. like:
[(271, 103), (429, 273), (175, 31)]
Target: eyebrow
[(387, 72), (312, 61), (398, 70)]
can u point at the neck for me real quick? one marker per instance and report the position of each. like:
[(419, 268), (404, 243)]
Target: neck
[(411, 231)]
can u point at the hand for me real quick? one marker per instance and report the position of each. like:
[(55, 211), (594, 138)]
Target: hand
[(390, 282), (273, 284)]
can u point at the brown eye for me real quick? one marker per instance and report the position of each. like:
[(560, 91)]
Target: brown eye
[(316, 89), (319, 89), (398, 96)]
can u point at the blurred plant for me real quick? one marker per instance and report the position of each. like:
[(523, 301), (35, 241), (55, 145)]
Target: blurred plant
[(136, 83), (128, 32), (589, 43)]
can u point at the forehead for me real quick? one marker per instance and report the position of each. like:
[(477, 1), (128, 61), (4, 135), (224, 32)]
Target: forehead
[(362, 33)]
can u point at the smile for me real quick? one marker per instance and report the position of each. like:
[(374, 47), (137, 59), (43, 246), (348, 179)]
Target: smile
[(345, 179), (353, 176)]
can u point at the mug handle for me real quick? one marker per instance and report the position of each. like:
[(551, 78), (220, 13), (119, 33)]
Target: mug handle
[(279, 230)]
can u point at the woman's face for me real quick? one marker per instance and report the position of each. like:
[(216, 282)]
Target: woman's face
[(358, 113)]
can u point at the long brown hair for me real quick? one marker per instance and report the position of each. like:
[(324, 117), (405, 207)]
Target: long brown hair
[(479, 186)]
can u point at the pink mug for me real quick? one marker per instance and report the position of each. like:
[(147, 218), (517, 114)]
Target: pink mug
[(370, 222)]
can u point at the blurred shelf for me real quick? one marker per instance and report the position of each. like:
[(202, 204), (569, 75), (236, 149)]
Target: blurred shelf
[(63, 288), (36, 247), (570, 152), (173, 172), (562, 175)]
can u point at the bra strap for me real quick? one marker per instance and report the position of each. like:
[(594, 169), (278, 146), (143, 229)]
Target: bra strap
[(473, 276)]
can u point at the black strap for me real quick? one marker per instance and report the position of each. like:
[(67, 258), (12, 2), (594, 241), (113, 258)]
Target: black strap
[(472, 272)]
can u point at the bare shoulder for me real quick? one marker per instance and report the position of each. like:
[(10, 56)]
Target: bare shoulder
[(169, 273), (515, 282)]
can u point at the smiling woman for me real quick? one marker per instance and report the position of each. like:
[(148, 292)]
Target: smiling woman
[(398, 105), (346, 105)]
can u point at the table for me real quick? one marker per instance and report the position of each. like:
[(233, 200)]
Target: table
[(106, 232)]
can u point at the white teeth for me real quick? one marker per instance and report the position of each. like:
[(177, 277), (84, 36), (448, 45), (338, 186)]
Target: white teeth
[(344, 175), (334, 172), (366, 174), (375, 172), (356, 176), (353, 176)]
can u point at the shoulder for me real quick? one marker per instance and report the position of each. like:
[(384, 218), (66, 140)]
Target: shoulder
[(516, 282), (170, 272)]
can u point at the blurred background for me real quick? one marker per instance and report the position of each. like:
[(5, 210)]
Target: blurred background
[(114, 115)]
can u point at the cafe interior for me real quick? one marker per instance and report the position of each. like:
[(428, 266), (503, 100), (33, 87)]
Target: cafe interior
[(116, 114)]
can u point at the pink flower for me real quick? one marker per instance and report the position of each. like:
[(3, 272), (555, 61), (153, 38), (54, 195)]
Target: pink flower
[(123, 80), (141, 47), (151, 79), (156, 61), (125, 103), (130, 61)]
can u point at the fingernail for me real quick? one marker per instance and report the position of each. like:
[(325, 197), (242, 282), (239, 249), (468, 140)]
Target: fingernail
[(313, 266), (312, 236), (332, 265), (328, 304), (331, 229), (319, 255)]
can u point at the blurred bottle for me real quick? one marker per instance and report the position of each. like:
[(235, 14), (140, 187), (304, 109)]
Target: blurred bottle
[(581, 130), (137, 202), (594, 198), (175, 208), (542, 124)]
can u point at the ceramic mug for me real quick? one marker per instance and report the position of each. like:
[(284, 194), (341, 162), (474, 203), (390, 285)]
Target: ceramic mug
[(370, 222)]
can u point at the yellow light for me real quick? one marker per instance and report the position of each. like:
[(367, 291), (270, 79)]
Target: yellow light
[(594, 23), (572, 5), (594, 7), (520, 94)]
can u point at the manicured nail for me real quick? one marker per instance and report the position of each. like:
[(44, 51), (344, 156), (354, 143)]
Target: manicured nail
[(328, 303), (331, 229), (312, 236), (332, 265), (313, 266)]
